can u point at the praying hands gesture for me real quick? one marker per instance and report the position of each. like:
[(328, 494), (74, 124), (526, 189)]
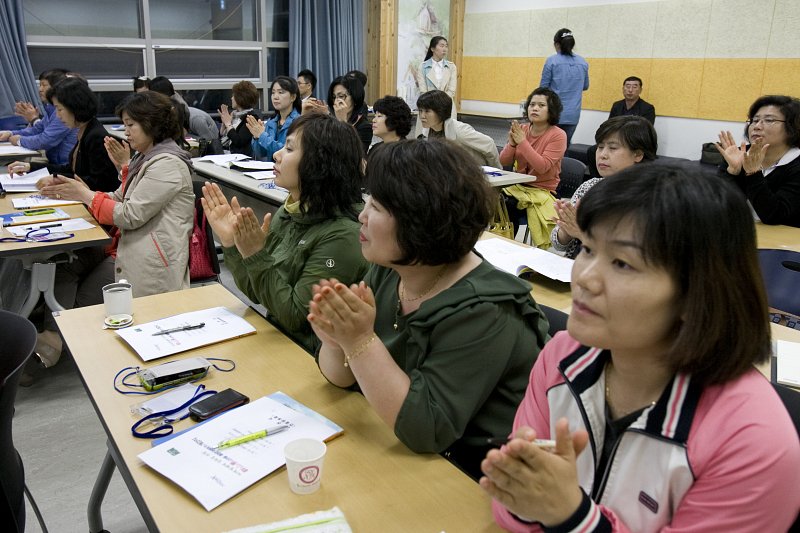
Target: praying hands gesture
[(255, 126), (248, 235), (27, 111), (62, 188), (225, 117), (118, 152), (515, 135), (219, 213), (535, 484), (566, 218), (342, 317), (739, 157)]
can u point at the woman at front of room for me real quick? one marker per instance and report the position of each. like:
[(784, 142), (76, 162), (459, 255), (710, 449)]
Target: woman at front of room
[(153, 209), (234, 133), (270, 137), (437, 339), (392, 120), (621, 142), (536, 148), (314, 235), (434, 113), (768, 171), (436, 72), (567, 74), (655, 375)]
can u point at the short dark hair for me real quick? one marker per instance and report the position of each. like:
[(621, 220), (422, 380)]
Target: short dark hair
[(141, 81), (434, 41), (288, 84), (635, 132), (357, 74), (161, 84), (437, 195), (309, 76), (155, 113), (330, 170), (398, 114), (633, 78), (53, 75), (75, 95), (789, 106), (354, 87), (245, 93), (437, 101), (565, 40), (554, 106), (722, 329)]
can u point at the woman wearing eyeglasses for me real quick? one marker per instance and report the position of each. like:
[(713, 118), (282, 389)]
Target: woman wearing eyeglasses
[(768, 169)]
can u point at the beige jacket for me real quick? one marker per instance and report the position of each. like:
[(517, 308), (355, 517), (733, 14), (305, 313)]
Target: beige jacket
[(480, 146), (155, 218)]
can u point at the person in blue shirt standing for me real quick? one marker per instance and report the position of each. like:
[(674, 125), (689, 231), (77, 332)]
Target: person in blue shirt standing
[(270, 136), (567, 74)]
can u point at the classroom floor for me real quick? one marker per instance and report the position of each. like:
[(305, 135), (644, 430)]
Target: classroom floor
[(62, 445)]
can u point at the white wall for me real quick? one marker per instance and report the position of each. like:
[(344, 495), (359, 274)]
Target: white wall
[(677, 137)]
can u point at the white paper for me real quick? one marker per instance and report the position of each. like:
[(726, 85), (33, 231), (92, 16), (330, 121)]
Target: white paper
[(220, 325), (264, 175), (212, 476), (73, 224), (37, 200), (254, 165), (23, 182), (9, 149), (223, 159), (788, 361), (489, 170), (330, 521), (515, 259)]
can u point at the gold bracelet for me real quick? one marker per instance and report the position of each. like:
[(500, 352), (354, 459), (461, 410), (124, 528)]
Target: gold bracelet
[(358, 351)]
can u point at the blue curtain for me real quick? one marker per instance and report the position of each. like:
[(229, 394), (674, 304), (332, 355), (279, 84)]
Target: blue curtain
[(327, 37), (16, 76)]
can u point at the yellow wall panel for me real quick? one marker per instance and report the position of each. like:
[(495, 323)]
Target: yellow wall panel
[(729, 87), (499, 79), (675, 86), (593, 98), (782, 76), (616, 70)]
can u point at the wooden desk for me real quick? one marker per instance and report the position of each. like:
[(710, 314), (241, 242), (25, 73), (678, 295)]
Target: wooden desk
[(780, 237), (509, 178), (38, 257), (8, 150), (377, 482), (239, 182)]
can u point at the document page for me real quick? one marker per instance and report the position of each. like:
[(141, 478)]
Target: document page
[(787, 354), (23, 182), (517, 260), (193, 461)]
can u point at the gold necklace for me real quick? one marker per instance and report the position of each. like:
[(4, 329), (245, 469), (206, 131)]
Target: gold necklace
[(608, 390), (401, 295)]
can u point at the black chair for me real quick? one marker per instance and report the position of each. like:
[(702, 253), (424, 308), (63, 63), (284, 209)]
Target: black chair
[(781, 272), (211, 248), (573, 173), (18, 338), (556, 318)]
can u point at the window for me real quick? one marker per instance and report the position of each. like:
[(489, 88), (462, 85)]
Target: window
[(277, 62), (94, 63), (83, 18), (210, 63), (230, 20)]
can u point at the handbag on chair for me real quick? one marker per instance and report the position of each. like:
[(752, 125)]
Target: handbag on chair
[(500, 224)]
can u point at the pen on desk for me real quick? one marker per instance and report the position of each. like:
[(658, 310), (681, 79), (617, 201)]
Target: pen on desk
[(500, 441), (181, 328), (44, 226), (252, 436)]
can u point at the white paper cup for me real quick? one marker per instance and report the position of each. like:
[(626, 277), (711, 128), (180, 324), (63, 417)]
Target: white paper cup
[(118, 298), (304, 464)]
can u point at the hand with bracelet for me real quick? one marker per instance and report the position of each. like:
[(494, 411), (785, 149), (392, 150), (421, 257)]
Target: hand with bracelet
[(343, 316)]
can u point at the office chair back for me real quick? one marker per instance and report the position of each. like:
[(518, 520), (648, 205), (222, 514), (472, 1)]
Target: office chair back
[(209, 260), (781, 272), (572, 176), (18, 338), (556, 318)]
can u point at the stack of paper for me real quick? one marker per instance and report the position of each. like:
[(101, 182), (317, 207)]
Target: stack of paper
[(330, 521), (33, 216), (517, 259), (223, 160), (193, 460), (36, 200), (218, 324), (23, 182), (787, 355)]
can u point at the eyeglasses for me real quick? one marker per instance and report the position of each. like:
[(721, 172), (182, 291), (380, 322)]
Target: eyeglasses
[(766, 121), (341, 96)]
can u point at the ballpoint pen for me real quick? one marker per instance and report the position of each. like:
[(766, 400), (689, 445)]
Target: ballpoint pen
[(252, 436), (44, 226), (181, 328)]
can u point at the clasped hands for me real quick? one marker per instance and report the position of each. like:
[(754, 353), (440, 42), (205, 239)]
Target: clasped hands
[(342, 317), (63, 188), (234, 225), (27, 111), (739, 157), (567, 220), (516, 135), (536, 484)]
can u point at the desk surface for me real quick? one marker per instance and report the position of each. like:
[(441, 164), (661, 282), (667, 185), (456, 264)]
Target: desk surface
[(9, 150), (240, 182), (377, 482), (782, 237), (82, 239), (509, 178)]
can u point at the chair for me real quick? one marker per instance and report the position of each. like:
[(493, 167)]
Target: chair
[(572, 175), (781, 272), (18, 338), (791, 400), (211, 248), (556, 318), (12, 123)]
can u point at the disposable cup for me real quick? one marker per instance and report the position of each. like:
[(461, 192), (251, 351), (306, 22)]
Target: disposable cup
[(304, 464), (118, 298)]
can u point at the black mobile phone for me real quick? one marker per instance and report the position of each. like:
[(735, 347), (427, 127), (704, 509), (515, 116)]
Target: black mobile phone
[(213, 405)]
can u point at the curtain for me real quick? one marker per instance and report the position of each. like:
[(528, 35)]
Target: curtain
[(327, 37), (16, 77)]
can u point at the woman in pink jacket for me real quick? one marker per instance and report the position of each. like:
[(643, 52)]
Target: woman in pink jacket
[(660, 421)]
